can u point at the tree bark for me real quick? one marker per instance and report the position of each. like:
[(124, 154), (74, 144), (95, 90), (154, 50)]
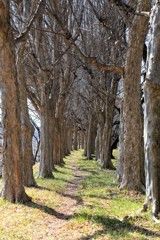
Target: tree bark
[(82, 139), (56, 147), (75, 143), (59, 139), (99, 137), (27, 129), (97, 143), (120, 162), (152, 115), (68, 140), (91, 136), (109, 113), (133, 134), (12, 183), (85, 144), (46, 162)]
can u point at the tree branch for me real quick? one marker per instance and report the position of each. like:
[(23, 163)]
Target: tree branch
[(71, 40), (127, 8), (35, 101), (23, 34)]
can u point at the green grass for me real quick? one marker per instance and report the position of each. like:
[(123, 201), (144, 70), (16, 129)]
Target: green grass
[(103, 212), (27, 221), (113, 212)]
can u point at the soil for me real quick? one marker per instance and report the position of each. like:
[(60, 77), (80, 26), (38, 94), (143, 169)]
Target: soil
[(59, 226)]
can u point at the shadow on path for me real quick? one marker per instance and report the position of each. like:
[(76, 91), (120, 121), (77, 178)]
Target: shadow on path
[(78, 199), (48, 210), (42, 188)]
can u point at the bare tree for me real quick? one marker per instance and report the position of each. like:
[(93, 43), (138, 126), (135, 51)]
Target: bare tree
[(151, 115), (12, 186)]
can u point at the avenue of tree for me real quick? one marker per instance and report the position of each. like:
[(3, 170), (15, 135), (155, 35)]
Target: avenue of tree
[(90, 71)]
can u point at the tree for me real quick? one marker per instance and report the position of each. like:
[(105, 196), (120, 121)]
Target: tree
[(12, 184), (152, 115), (27, 130), (132, 112)]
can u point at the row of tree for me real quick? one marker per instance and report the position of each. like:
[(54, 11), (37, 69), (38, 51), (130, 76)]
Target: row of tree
[(82, 67)]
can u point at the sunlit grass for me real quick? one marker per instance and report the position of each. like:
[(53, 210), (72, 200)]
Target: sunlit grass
[(28, 221), (113, 212), (105, 212)]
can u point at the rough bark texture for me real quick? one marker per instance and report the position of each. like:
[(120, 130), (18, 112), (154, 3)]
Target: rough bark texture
[(27, 129), (59, 138), (109, 113), (59, 117), (99, 137), (120, 162), (97, 145), (66, 141), (75, 144), (56, 148), (91, 137), (82, 139), (152, 115), (45, 169), (85, 145), (133, 148), (70, 135), (12, 185), (79, 140)]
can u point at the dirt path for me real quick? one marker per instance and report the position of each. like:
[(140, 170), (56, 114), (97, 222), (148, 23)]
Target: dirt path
[(57, 227), (71, 202)]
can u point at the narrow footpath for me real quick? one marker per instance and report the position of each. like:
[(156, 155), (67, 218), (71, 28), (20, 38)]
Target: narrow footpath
[(82, 202), (59, 226)]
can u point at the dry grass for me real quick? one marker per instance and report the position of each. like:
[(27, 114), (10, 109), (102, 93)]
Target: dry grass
[(82, 203)]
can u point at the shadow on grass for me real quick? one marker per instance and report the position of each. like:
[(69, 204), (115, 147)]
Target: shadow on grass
[(48, 210), (61, 171), (107, 197), (55, 170), (69, 168), (79, 200), (114, 227), (42, 188), (98, 181), (63, 180), (90, 171)]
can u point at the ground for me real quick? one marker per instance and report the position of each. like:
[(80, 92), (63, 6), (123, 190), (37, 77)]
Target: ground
[(82, 202)]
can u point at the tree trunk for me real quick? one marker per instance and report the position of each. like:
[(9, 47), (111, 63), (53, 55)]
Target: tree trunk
[(62, 140), (91, 136), (56, 147), (97, 144), (68, 140), (75, 143), (26, 126), (152, 115), (109, 113), (133, 134), (78, 140), (46, 163), (82, 139), (59, 140), (99, 137), (85, 144), (120, 162), (12, 184)]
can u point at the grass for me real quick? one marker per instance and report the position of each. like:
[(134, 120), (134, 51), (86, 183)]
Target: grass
[(104, 211), (27, 221), (112, 212)]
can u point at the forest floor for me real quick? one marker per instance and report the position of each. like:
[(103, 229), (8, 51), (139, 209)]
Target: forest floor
[(82, 202)]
